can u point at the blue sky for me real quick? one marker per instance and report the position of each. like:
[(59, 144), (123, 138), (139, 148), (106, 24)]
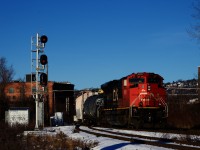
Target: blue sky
[(95, 41)]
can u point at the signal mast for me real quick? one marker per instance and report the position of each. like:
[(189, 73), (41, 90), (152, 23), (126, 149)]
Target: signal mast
[(39, 69)]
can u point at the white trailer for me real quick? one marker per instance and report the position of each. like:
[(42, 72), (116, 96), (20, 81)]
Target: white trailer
[(17, 115)]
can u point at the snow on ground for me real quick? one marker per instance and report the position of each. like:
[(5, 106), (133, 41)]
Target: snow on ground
[(104, 143), (193, 101), (155, 134)]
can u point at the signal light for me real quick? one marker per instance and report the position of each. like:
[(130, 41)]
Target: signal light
[(43, 79), (43, 39), (43, 59)]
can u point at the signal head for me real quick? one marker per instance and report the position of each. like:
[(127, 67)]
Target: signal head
[(43, 39), (43, 79), (43, 59)]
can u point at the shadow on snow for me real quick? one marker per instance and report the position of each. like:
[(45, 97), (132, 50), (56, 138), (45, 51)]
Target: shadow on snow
[(116, 146)]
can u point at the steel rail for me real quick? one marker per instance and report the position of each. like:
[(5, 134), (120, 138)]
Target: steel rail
[(139, 139)]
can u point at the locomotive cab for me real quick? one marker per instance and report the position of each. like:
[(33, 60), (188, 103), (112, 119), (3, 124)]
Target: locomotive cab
[(146, 90), (147, 98)]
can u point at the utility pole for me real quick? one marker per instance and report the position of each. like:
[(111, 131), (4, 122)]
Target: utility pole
[(199, 83), (39, 69)]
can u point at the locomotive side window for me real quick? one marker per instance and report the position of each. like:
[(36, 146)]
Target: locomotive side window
[(135, 81), (153, 80), (125, 82)]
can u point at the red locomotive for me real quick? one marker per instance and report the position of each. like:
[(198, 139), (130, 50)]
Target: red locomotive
[(138, 100)]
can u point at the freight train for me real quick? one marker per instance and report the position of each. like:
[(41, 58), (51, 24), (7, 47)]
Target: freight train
[(137, 100)]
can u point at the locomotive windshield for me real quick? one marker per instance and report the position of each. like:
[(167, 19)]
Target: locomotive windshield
[(136, 80)]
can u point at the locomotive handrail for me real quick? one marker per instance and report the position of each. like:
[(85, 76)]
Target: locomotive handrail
[(151, 94), (162, 101), (132, 105), (166, 106), (135, 101), (144, 93)]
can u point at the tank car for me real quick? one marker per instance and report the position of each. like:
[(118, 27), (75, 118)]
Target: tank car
[(91, 109), (82, 96), (137, 100)]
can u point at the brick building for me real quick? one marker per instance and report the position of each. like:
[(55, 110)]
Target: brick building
[(58, 98)]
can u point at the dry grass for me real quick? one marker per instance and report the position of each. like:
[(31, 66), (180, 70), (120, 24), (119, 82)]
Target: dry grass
[(12, 138), (183, 115), (55, 142)]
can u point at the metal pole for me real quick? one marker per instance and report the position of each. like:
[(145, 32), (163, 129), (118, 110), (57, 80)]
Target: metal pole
[(199, 83), (82, 105), (36, 96), (54, 102), (39, 68)]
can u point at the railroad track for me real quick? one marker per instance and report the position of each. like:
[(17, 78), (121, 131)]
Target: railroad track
[(140, 139)]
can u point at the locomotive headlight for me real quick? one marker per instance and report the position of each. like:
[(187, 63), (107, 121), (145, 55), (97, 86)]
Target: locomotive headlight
[(149, 88), (149, 117)]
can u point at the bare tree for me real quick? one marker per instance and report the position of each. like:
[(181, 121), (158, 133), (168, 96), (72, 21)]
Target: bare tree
[(194, 31), (6, 74)]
